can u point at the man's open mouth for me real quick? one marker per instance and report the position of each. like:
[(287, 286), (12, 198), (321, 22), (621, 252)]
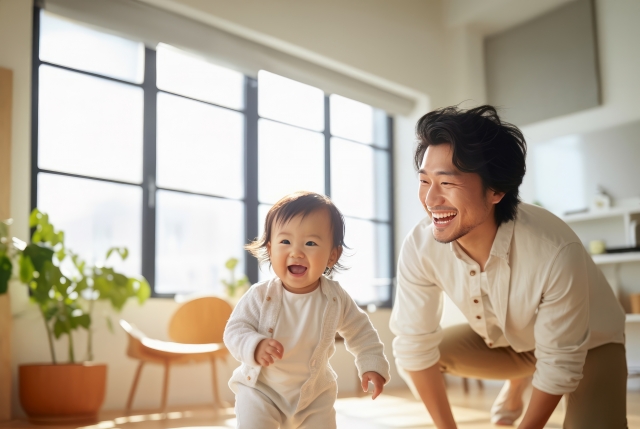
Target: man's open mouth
[(297, 270), (442, 219)]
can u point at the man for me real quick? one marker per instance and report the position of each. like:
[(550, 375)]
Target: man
[(536, 303)]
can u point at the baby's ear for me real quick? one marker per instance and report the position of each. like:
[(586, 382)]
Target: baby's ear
[(269, 248), (335, 254)]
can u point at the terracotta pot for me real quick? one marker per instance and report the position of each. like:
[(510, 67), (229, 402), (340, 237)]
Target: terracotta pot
[(63, 393)]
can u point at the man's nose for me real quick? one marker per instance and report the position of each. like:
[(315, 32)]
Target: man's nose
[(433, 196)]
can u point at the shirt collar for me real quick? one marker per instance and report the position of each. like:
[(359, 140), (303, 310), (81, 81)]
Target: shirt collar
[(500, 247)]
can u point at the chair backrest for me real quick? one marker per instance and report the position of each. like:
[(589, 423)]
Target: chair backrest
[(200, 321)]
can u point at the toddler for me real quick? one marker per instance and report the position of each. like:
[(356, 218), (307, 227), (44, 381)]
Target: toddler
[(283, 330)]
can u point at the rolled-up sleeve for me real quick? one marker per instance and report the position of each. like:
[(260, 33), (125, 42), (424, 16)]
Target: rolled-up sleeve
[(417, 310), (562, 327)]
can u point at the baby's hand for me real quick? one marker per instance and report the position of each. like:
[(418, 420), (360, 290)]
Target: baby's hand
[(376, 379), (267, 350)]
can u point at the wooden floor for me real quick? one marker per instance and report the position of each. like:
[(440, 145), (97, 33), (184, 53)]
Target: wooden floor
[(393, 410)]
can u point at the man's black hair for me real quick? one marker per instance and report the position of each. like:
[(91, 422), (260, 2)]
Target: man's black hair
[(481, 143)]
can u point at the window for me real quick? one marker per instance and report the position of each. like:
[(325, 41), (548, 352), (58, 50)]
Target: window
[(179, 159)]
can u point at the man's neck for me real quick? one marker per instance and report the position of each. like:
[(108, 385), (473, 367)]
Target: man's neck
[(479, 241)]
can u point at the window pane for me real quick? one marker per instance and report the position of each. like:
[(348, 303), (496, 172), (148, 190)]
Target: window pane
[(89, 126), (351, 119), (95, 216), (360, 179), (186, 74), (368, 278), (286, 100), (69, 44), (200, 147), (195, 236), (289, 160)]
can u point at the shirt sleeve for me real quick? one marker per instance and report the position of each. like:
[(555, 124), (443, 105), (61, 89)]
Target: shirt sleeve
[(361, 339), (417, 311), (561, 329), (241, 335)]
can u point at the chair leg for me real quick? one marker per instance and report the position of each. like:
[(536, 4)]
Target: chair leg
[(165, 386), (465, 385), (134, 386), (214, 380)]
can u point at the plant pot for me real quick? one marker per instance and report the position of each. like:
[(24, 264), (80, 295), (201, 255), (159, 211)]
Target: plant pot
[(63, 393)]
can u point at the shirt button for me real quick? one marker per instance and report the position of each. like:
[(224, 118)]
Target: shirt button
[(268, 298), (478, 317), (271, 330), (472, 273), (475, 301)]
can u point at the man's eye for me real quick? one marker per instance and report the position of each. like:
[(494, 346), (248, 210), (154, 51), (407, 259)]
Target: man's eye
[(285, 242), (424, 181), (311, 243)]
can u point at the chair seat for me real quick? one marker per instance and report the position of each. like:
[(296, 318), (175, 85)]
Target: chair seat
[(145, 348)]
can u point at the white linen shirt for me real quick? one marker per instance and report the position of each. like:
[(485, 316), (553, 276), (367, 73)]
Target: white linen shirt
[(546, 292), (256, 314)]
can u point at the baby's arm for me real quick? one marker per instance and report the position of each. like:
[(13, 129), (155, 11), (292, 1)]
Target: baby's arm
[(361, 340), (241, 333)]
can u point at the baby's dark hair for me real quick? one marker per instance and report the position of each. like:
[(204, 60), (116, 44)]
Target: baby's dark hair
[(290, 206)]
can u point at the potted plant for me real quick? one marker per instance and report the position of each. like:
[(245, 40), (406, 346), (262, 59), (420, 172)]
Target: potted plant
[(65, 288), (234, 288)]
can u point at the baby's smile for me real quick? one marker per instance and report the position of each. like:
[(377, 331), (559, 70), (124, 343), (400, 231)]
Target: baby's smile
[(297, 270)]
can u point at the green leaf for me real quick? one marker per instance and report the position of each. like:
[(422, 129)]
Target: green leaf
[(26, 268), (231, 263), (110, 325), (34, 218), (84, 320), (6, 269), (144, 291), (59, 328)]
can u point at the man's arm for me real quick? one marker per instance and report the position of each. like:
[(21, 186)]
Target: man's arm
[(430, 385), (540, 408)]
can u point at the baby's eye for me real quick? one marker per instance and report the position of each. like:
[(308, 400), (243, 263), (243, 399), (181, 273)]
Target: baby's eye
[(311, 243), (285, 242)]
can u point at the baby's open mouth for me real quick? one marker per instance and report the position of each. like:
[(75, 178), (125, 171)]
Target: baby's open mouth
[(297, 269), (443, 218)]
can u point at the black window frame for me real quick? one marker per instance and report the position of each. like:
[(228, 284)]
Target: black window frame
[(149, 167)]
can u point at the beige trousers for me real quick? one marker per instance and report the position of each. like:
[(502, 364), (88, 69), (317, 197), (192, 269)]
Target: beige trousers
[(599, 402)]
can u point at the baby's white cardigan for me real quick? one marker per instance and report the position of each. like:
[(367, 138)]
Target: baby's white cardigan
[(255, 317)]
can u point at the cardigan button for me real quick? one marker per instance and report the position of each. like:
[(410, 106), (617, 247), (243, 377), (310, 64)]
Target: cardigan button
[(313, 362), (490, 344), (478, 317), (475, 301), (334, 299), (271, 330), (472, 273), (268, 298), (248, 377)]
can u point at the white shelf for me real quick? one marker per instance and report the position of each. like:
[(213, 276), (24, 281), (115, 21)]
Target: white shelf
[(616, 258), (633, 318), (616, 211)]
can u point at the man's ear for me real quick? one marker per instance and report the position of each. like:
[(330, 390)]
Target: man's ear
[(494, 196), (335, 254)]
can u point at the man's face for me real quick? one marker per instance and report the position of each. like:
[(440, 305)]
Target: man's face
[(455, 201)]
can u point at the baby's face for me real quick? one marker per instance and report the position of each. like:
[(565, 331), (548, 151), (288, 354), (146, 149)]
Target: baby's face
[(301, 249)]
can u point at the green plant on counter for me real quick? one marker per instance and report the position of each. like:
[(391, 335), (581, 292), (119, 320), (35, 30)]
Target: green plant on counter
[(232, 285), (65, 287)]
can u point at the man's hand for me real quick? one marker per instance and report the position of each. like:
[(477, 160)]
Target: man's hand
[(267, 351), (376, 379)]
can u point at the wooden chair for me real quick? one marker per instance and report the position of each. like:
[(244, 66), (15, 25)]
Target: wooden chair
[(195, 329)]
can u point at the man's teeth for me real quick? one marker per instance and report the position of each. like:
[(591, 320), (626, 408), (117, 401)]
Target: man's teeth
[(443, 215)]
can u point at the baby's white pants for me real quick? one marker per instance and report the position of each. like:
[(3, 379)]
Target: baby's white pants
[(256, 410)]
